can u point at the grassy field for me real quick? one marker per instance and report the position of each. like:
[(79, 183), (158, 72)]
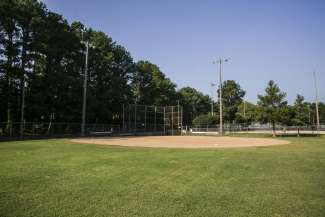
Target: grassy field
[(59, 178)]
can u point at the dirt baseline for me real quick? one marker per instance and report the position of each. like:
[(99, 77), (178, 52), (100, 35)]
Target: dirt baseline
[(183, 141)]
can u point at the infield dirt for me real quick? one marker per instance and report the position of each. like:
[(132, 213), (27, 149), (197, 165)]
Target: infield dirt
[(183, 141)]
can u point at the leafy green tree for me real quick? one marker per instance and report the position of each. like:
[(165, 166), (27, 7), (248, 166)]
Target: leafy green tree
[(232, 97), (300, 117), (110, 71), (271, 104), (151, 86), (246, 113), (58, 63), (205, 120), (194, 103), (9, 60)]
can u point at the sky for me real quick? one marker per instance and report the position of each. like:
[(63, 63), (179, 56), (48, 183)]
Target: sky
[(280, 40)]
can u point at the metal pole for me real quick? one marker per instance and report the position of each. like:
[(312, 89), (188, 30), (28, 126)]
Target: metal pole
[(212, 108), (178, 116), (135, 118), (244, 109), (212, 85), (145, 118), (129, 118), (317, 111), (220, 99), (155, 118), (220, 61), (22, 120), (182, 120), (123, 118), (164, 120), (85, 93), (244, 113), (172, 120)]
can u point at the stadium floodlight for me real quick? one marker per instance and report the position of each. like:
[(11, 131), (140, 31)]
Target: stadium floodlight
[(220, 61)]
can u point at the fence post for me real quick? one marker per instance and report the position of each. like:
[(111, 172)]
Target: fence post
[(145, 118), (164, 120), (135, 119), (129, 118), (123, 125), (182, 119), (178, 116), (172, 120), (155, 118)]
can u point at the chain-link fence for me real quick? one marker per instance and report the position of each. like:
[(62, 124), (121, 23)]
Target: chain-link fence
[(53, 129), (134, 120), (256, 128), (144, 119)]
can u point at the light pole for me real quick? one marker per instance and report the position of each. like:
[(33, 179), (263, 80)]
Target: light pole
[(22, 117), (212, 85), (317, 112), (220, 61), (244, 109), (84, 101)]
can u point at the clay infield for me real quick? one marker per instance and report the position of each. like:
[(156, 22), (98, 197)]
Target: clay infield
[(183, 141)]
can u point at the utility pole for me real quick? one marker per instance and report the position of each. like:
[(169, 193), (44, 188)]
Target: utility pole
[(212, 85), (85, 93), (164, 120), (178, 116), (244, 110), (172, 120), (317, 112), (220, 61), (22, 117), (123, 119)]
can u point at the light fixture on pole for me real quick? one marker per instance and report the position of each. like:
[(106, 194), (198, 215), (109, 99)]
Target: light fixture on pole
[(220, 61)]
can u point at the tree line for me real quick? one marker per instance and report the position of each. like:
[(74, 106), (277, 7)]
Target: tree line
[(271, 108), (42, 65)]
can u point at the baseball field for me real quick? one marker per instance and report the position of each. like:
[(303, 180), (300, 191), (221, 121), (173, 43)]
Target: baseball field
[(60, 177)]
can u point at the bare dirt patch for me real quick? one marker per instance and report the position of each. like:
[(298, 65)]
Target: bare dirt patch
[(183, 141)]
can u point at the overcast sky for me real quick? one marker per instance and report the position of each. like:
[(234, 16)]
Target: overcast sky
[(279, 40)]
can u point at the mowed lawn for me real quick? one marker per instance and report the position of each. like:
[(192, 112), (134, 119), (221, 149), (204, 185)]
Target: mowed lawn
[(60, 178)]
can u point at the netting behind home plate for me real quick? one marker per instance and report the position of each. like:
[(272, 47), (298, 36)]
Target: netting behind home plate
[(144, 119)]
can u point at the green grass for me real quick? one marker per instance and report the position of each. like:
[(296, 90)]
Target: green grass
[(59, 178)]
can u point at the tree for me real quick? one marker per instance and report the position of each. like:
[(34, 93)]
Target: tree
[(270, 105), (56, 72), (9, 59), (151, 86), (194, 103), (205, 120), (300, 117), (111, 69), (246, 113), (232, 97)]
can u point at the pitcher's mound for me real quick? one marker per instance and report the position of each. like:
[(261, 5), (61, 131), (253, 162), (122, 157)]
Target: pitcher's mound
[(184, 141)]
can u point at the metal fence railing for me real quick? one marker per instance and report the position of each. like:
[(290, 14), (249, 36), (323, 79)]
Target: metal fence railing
[(257, 128), (16, 130)]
